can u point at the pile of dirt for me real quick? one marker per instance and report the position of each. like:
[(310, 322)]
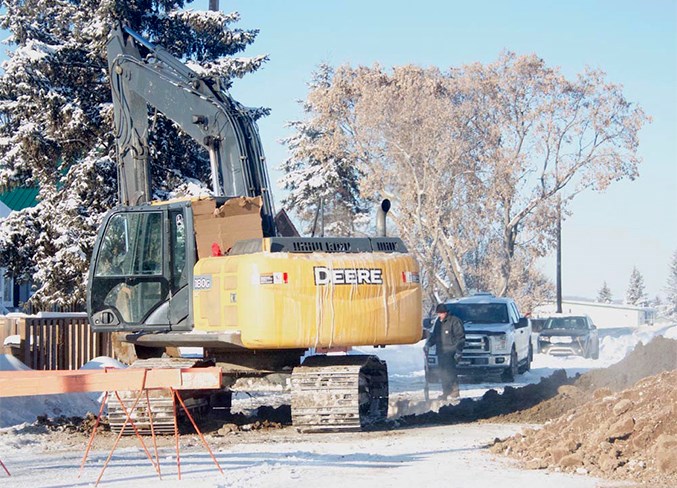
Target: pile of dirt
[(72, 425), (492, 404), (645, 360), (629, 435), (263, 418)]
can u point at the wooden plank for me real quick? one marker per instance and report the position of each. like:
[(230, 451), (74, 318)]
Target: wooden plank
[(38, 346), (52, 328), (81, 341), (28, 383), (5, 329), (26, 339), (72, 357)]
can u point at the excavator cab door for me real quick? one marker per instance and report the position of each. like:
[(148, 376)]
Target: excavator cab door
[(140, 271)]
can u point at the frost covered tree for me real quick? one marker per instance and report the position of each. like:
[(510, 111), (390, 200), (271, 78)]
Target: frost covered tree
[(56, 124), (476, 158), (670, 306), (635, 295), (322, 173), (604, 294)]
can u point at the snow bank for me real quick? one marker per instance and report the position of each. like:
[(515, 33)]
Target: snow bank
[(671, 333), (102, 362), (10, 363), (401, 360), (615, 347), (14, 411)]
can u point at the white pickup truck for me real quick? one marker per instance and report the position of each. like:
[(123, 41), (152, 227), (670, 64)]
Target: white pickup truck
[(497, 338)]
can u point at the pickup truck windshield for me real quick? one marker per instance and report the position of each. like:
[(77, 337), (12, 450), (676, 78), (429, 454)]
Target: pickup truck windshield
[(480, 313), (566, 323)]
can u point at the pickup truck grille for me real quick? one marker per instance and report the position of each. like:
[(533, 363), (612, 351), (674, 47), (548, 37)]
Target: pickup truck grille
[(476, 344)]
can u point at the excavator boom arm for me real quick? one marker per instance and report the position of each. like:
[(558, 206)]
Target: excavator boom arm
[(203, 111)]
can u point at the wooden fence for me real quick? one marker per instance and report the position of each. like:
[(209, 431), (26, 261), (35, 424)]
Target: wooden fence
[(55, 342)]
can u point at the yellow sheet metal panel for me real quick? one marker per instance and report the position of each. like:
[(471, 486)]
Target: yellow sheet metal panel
[(286, 300)]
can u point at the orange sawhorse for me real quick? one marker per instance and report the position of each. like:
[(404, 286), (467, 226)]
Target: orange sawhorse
[(27, 383), (4, 467), (176, 399)]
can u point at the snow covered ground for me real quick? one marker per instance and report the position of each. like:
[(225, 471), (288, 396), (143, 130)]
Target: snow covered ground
[(429, 456), (284, 458)]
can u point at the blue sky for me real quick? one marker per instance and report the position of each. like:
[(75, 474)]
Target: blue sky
[(634, 223)]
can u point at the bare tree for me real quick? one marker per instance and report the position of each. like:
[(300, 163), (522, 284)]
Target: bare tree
[(548, 137), (475, 158)]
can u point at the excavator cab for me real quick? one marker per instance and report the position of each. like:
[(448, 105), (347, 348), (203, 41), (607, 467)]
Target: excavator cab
[(142, 266)]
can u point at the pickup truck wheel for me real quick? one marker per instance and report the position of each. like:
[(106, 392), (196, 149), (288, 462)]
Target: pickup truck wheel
[(530, 358), (595, 353), (511, 371), (526, 366)]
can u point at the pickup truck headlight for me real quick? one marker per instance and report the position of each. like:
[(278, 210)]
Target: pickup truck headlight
[(544, 338), (500, 342)]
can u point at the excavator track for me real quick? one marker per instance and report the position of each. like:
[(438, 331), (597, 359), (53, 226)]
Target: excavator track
[(339, 393), (161, 402)]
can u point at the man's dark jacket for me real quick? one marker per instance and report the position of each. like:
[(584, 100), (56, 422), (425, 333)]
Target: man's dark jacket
[(448, 335)]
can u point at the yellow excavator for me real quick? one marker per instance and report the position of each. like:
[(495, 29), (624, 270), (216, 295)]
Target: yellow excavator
[(216, 273)]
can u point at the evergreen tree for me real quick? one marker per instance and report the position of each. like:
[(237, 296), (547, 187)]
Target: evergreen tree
[(319, 179), (56, 124), (604, 294), (635, 294), (671, 290)]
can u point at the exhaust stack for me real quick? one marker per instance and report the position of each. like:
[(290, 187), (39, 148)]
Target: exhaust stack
[(381, 218)]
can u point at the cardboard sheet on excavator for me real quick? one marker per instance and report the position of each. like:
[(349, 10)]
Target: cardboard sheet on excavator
[(239, 218)]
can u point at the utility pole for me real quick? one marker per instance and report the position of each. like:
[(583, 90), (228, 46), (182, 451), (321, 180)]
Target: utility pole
[(559, 254)]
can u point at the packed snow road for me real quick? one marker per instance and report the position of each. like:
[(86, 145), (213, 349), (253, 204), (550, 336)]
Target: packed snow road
[(429, 456)]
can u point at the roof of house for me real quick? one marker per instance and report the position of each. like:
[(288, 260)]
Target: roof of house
[(20, 198)]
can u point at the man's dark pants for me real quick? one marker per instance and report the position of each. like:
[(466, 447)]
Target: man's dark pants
[(448, 375)]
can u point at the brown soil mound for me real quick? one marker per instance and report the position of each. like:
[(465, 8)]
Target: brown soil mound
[(627, 435), (645, 360), (492, 404)]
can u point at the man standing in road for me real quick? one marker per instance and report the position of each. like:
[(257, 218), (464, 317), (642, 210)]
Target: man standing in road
[(449, 338)]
